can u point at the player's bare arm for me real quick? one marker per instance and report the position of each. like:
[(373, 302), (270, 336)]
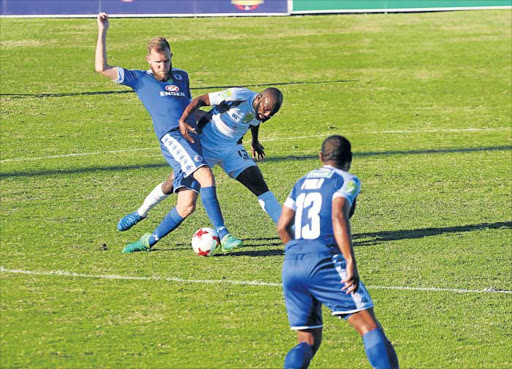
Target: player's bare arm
[(258, 151), (101, 65), (283, 225), (342, 234), (193, 106)]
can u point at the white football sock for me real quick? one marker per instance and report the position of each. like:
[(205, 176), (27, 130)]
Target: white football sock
[(154, 198), (270, 205)]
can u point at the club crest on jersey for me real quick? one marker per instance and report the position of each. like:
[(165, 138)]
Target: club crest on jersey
[(248, 118), (172, 90)]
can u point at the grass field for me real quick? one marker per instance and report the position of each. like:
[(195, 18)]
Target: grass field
[(425, 100)]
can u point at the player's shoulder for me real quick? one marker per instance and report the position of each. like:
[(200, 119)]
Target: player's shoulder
[(129, 76), (342, 174), (179, 74), (348, 186), (241, 93)]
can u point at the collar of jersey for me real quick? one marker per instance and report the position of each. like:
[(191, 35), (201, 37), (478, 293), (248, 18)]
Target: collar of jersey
[(337, 170)]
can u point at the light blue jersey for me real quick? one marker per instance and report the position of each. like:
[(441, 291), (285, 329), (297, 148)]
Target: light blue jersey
[(311, 199), (233, 115), (164, 101)]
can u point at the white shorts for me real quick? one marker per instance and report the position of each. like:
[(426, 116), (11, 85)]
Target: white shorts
[(233, 159)]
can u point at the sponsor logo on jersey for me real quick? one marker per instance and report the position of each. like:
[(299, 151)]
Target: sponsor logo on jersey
[(235, 116), (177, 76), (172, 90), (198, 158), (247, 5)]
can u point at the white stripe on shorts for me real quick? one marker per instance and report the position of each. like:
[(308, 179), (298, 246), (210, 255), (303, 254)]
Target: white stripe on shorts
[(306, 327), (179, 154), (358, 296)]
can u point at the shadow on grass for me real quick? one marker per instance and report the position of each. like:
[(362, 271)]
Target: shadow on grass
[(92, 93), (378, 237), (375, 239), (67, 172)]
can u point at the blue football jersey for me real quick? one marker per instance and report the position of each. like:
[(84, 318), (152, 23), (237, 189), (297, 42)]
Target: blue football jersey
[(311, 199), (164, 101)]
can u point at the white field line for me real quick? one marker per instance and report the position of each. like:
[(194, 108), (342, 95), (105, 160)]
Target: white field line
[(500, 129), (63, 273)]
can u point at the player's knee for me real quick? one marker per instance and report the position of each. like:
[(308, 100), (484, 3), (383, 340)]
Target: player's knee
[(167, 187), (253, 180), (204, 176), (186, 210)]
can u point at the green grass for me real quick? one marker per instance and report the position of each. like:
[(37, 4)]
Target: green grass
[(426, 103)]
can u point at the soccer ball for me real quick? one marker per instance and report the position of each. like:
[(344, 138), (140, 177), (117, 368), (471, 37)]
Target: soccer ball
[(205, 242)]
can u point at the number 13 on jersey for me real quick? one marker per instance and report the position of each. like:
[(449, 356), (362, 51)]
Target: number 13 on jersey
[(307, 216)]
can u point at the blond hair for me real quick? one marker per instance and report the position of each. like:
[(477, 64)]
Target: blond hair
[(158, 44)]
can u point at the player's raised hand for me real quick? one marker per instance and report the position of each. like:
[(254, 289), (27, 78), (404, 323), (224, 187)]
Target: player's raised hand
[(185, 128), (102, 20), (258, 151), (351, 280)]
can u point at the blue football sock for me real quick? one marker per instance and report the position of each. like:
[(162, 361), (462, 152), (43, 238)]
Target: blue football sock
[(270, 205), (379, 350), (171, 221), (212, 207), (298, 357)]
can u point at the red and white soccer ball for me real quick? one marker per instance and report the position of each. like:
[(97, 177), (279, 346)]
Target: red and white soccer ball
[(205, 242)]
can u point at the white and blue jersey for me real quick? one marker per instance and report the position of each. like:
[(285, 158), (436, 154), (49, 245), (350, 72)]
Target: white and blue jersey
[(164, 101), (233, 115), (314, 266)]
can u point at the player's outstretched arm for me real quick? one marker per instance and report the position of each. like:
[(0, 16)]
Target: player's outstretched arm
[(343, 236), (258, 151), (192, 107), (100, 61)]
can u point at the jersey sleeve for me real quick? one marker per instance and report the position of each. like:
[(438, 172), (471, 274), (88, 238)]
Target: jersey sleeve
[(127, 77), (231, 94), (349, 190), (290, 201)]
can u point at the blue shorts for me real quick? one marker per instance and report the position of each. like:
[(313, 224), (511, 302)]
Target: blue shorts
[(310, 280), (232, 158), (184, 158)]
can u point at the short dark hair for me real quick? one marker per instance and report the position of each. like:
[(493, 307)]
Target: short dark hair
[(276, 96), (337, 148)]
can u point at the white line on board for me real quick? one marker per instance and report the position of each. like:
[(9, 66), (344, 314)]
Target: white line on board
[(155, 148), (227, 281)]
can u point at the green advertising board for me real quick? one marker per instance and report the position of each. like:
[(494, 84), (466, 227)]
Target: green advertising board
[(308, 6)]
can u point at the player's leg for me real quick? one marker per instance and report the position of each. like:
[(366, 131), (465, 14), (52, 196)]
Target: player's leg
[(185, 206), (239, 165), (156, 196), (252, 178), (304, 311), (211, 205), (379, 350), (300, 356)]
